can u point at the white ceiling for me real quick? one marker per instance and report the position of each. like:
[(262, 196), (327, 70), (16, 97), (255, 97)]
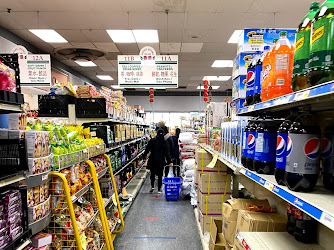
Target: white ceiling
[(84, 22)]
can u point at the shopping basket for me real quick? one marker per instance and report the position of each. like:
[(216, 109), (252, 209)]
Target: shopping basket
[(172, 187)]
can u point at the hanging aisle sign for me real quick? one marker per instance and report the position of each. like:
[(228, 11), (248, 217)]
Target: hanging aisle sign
[(148, 70), (35, 70)]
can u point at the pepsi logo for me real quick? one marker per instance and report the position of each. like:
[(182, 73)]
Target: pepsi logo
[(311, 148), (250, 78), (280, 146), (289, 147), (251, 141), (327, 148)]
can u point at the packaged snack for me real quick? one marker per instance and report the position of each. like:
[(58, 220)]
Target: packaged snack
[(16, 233), (17, 217), (46, 189), (56, 186), (14, 210), (47, 206), (35, 213), (3, 232), (34, 165), (4, 242), (36, 194), (41, 194), (3, 223), (10, 195), (41, 239), (14, 226)]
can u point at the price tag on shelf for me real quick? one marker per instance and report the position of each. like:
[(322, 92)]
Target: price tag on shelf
[(301, 95), (327, 220), (73, 197), (97, 146), (251, 108), (3, 183), (268, 185), (45, 177)]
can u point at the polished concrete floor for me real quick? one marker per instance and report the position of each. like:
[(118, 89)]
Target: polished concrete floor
[(153, 223)]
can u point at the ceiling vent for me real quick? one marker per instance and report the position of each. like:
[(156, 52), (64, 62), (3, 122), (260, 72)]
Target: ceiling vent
[(81, 54)]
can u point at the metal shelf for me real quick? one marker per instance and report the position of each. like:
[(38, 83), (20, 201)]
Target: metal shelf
[(125, 143), (319, 204), (80, 121), (269, 240), (38, 179), (319, 98), (41, 224), (6, 108), (81, 192), (127, 164), (11, 180)]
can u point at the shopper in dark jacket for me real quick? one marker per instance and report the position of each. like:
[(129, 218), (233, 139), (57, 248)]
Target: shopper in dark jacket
[(176, 161), (160, 155)]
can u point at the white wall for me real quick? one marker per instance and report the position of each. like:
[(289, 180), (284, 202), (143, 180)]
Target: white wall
[(6, 46), (171, 103)]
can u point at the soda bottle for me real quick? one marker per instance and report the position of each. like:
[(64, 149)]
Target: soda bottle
[(281, 60), (281, 148), (302, 162), (291, 224), (258, 75), (302, 50), (327, 158), (266, 73), (250, 80), (265, 144), (321, 65), (251, 143), (306, 227), (245, 143)]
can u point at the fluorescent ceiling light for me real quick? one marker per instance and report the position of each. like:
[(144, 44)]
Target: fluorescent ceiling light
[(104, 77), (217, 78), (146, 36), (116, 87), (48, 35), (235, 36), (86, 63), (121, 36), (213, 87), (222, 64)]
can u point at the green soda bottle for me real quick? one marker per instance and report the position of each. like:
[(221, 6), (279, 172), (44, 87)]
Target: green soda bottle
[(321, 63), (302, 50)]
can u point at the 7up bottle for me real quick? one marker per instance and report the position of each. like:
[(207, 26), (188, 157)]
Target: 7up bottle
[(302, 50), (321, 63)]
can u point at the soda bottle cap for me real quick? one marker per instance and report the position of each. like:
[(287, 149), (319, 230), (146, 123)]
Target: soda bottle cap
[(257, 52), (314, 5), (275, 40), (266, 47), (283, 33)]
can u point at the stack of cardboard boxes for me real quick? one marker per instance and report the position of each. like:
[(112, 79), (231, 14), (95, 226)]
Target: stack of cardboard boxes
[(214, 188)]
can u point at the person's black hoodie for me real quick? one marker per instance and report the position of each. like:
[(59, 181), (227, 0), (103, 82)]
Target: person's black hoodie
[(169, 139)]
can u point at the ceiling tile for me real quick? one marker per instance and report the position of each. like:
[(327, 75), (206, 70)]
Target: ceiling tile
[(212, 47), (191, 47), (196, 78), (188, 56), (112, 55), (108, 68), (84, 45), (109, 47), (218, 36), (86, 69), (69, 62), (198, 20), (174, 36), (221, 19), (47, 48), (97, 36), (258, 20), (202, 6), (170, 47), (27, 35), (135, 6), (153, 45), (201, 34), (209, 56), (114, 62), (75, 36), (128, 48), (102, 63), (175, 20), (171, 5), (142, 20), (235, 6)]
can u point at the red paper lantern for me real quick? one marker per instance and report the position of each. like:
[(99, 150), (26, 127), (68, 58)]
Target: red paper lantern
[(205, 91), (151, 96), (205, 94), (206, 82), (151, 100), (151, 89), (205, 86), (205, 99), (151, 92), (210, 88)]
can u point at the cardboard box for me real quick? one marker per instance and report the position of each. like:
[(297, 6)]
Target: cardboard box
[(203, 158), (217, 240), (197, 175), (230, 215), (240, 64), (249, 221), (205, 221), (211, 204), (217, 111), (239, 87), (214, 183), (255, 39), (238, 245), (41, 239)]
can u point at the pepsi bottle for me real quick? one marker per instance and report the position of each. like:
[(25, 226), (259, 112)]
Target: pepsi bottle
[(306, 228), (250, 79), (265, 145), (245, 143), (251, 143), (281, 148), (258, 73), (302, 163), (327, 158)]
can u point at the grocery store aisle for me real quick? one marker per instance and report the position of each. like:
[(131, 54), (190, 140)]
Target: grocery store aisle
[(153, 223)]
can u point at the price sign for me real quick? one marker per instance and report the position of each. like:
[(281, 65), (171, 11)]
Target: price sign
[(35, 70)]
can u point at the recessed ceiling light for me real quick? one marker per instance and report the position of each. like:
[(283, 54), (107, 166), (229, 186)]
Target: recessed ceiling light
[(146, 36), (217, 78), (213, 87), (235, 36), (222, 64), (48, 35), (116, 87), (104, 77), (86, 63), (121, 36)]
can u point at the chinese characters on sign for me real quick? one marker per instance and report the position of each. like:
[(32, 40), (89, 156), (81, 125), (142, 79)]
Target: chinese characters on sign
[(36, 70), (148, 71)]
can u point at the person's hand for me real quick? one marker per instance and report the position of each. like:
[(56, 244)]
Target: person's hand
[(171, 164)]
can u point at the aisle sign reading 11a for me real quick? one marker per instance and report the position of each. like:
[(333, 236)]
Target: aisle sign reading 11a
[(148, 70)]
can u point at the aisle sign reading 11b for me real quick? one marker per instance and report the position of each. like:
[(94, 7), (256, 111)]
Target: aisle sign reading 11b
[(148, 70)]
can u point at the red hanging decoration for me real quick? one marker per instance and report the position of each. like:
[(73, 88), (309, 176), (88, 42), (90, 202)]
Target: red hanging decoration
[(205, 99)]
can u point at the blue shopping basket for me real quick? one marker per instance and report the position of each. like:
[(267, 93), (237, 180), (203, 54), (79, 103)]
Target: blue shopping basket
[(172, 188)]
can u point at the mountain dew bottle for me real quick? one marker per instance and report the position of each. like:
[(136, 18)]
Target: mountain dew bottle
[(302, 50), (321, 63)]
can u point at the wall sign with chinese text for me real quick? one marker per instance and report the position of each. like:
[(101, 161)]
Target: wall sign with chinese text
[(35, 70), (148, 70)]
